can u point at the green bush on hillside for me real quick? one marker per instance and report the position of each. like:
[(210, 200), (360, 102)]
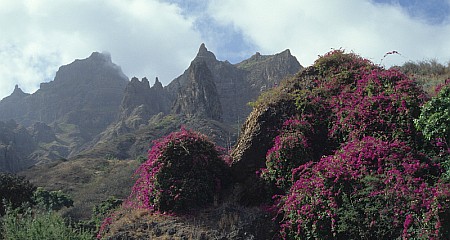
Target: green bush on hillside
[(14, 190), (52, 200), (19, 224)]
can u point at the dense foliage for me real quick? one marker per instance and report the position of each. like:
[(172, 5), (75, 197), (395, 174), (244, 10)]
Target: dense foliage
[(184, 170), (28, 212), (51, 200), (14, 190), (351, 162), (434, 120), (292, 148), (19, 224), (369, 187)]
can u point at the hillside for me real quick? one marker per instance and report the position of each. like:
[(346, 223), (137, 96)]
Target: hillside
[(344, 126), (335, 151), (69, 111), (147, 112)]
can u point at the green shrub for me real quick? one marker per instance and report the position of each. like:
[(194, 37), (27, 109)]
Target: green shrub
[(15, 190), (434, 122), (52, 200), (18, 224), (434, 119), (100, 212)]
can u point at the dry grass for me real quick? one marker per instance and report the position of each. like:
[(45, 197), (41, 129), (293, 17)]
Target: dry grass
[(226, 221), (87, 180)]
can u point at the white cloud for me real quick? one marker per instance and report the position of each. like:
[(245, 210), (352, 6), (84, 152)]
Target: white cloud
[(313, 27), (145, 37), (160, 37)]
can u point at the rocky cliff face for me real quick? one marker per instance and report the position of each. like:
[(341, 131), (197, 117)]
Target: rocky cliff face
[(211, 96), (92, 86), (199, 97), (141, 102), (16, 144), (238, 84), (78, 104)]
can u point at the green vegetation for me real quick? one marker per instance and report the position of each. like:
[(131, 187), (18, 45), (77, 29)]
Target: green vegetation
[(30, 224), (51, 200), (434, 119), (100, 212), (14, 190), (351, 164), (30, 212)]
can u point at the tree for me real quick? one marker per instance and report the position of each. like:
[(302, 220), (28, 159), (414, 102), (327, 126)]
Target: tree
[(52, 200), (14, 190)]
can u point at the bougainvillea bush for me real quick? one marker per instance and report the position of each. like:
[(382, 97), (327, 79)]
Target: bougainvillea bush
[(292, 148), (368, 188), (184, 171), (351, 161), (382, 103)]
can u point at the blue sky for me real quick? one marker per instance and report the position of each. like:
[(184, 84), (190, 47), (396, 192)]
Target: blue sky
[(158, 38)]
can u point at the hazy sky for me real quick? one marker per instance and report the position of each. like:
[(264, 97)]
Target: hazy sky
[(158, 38)]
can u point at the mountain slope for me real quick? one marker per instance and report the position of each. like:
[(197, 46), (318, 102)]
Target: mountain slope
[(78, 104)]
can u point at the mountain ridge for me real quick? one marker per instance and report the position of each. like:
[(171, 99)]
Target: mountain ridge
[(97, 104)]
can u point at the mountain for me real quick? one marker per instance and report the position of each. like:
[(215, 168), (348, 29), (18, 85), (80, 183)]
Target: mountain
[(199, 97), (16, 143), (91, 108), (211, 96), (90, 118), (238, 84), (81, 101)]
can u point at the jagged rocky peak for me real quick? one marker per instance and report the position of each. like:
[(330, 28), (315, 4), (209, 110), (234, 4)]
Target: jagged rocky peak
[(136, 85), (18, 93), (149, 101), (199, 98), (157, 84), (204, 54)]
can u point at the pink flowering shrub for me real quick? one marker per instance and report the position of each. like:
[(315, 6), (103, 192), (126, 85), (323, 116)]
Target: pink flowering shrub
[(368, 188), (292, 148), (351, 162), (184, 171), (382, 103)]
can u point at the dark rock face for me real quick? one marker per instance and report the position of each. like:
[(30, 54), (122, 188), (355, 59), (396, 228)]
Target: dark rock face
[(257, 136), (141, 102), (78, 104), (238, 84), (14, 106), (41, 132), (94, 85), (199, 97), (16, 144)]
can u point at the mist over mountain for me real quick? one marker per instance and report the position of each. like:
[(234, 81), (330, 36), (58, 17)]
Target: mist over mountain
[(92, 109), (81, 101)]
